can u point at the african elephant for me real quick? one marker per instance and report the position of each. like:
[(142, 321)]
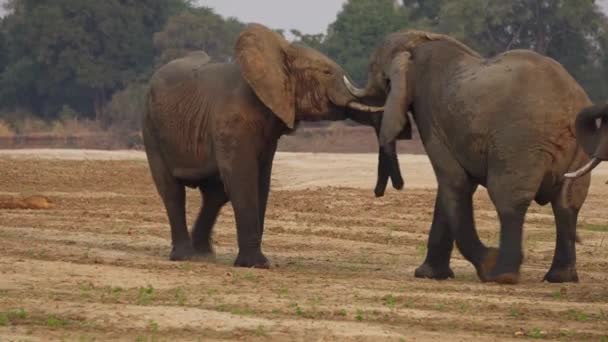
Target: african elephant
[(215, 126), (594, 139), (505, 123)]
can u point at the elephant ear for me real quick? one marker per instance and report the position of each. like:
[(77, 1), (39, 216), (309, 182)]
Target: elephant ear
[(395, 118), (261, 53)]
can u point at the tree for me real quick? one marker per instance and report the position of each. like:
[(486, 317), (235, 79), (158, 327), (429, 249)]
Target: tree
[(197, 29), (77, 52), (359, 27), (570, 31)]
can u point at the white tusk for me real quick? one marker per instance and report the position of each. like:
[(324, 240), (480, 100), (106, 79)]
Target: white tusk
[(365, 108), (352, 89), (584, 170)]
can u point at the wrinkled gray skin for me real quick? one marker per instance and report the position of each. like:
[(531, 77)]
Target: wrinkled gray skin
[(505, 123), (215, 127), (593, 138)]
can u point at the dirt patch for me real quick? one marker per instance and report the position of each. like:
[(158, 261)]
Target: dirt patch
[(95, 266)]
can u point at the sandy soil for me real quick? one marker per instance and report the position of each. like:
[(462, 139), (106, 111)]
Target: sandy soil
[(94, 267)]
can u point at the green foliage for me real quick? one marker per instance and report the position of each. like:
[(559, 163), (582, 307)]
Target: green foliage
[(197, 29), (76, 52), (574, 32), (358, 29)]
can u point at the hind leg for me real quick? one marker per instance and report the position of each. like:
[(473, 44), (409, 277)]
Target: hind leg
[(173, 195), (566, 209), (214, 199)]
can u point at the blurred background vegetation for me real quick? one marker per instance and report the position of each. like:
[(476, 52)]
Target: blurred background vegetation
[(84, 64)]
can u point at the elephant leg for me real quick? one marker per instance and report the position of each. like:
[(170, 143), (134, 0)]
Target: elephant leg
[(264, 188), (214, 199), (242, 183), (455, 204), (512, 194), (173, 195), (439, 246), (510, 255), (565, 209)]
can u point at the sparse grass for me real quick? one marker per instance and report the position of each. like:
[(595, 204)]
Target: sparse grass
[(389, 301), (515, 312), (145, 295), (576, 315), (341, 313), (12, 316), (260, 331), (595, 227), (55, 322), (536, 333), (359, 315), (180, 296)]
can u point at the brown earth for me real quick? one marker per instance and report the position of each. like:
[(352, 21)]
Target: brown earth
[(95, 266), (329, 137)]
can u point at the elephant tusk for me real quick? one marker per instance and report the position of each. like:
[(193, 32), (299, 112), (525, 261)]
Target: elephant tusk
[(584, 170), (365, 108), (352, 89)]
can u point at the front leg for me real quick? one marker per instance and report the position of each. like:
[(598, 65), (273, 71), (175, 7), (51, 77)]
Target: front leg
[(241, 181)]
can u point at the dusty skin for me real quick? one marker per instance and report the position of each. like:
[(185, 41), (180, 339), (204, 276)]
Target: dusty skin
[(95, 265)]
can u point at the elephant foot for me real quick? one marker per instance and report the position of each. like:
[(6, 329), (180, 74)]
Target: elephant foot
[(182, 251), (253, 259), (566, 274), (487, 264), (429, 272), (203, 249), (508, 278)]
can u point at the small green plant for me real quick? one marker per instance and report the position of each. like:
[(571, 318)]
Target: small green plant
[(596, 227), (556, 294), (252, 277), (341, 312), (3, 320), (604, 338), (389, 300), (536, 333), (298, 310), (577, 315), (514, 312), (153, 327), (17, 314), (283, 291), (180, 296), (56, 322), (359, 315), (145, 295), (439, 307), (260, 331)]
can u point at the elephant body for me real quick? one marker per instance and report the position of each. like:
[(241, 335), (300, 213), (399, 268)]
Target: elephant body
[(215, 126), (506, 123)]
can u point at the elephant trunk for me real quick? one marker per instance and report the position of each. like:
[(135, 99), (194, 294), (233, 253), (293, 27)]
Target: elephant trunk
[(593, 139), (388, 166)]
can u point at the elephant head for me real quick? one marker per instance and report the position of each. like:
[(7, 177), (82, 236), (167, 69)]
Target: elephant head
[(294, 81), (391, 79), (300, 83), (592, 138)]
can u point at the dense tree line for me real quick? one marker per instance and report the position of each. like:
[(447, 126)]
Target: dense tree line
[(91, 58)]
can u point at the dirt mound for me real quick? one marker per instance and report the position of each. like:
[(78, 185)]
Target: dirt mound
[(32, 202)]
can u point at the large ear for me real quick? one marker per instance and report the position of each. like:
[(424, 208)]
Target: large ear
[(261, 54), (395, 116)]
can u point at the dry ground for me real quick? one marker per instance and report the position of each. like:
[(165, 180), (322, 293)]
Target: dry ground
[(95, 266)]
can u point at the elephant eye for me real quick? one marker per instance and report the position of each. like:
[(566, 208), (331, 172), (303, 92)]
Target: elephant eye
[(327, 72)]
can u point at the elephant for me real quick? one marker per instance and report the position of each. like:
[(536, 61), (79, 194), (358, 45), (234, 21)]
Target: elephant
[(505, 123), (215, 127), (592, 138)]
